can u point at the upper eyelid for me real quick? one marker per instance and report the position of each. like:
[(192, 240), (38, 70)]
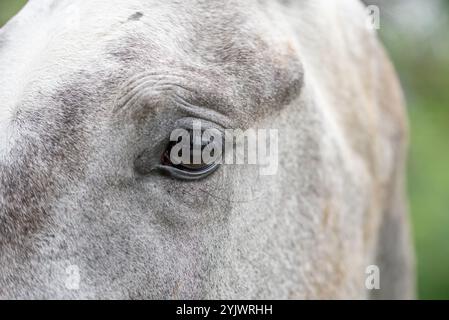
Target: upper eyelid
[(202, 112), (206, 124)]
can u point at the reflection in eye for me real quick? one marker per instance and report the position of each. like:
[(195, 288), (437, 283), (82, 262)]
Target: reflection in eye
[(191, 170)]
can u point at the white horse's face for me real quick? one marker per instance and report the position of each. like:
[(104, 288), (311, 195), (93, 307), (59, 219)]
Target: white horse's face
[(90, 92)]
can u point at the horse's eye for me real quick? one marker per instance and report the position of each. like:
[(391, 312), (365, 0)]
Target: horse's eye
[(189, 167)]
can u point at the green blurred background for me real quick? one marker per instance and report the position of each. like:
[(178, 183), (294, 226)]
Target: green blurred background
[(416, 33)]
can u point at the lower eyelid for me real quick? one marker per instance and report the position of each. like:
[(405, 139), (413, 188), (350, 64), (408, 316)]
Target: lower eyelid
[(188, 175)]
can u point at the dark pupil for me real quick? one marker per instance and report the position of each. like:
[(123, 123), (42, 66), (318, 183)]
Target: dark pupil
[(190, 166)]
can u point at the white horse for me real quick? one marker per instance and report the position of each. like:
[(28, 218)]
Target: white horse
[(90, 91)]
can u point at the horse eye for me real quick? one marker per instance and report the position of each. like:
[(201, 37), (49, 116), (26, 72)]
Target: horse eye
[(188, 170)]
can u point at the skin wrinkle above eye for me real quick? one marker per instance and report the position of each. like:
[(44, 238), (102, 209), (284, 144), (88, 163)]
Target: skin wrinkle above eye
[(134, 89), (177, 90), (197, 91)]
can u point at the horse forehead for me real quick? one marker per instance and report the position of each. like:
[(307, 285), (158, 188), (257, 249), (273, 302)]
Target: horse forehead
[(219, 37), (215, 31)]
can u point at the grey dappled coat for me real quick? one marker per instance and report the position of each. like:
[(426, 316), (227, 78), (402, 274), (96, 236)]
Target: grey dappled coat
[(86, 87)]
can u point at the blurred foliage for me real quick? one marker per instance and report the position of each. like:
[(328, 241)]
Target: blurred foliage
[(421, 55), (419, 47), (9, 8)]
